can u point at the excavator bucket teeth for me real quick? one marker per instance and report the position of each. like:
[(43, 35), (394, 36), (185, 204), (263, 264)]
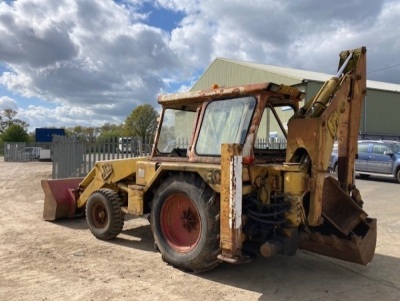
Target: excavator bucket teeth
[(59, 199), (347, 233)]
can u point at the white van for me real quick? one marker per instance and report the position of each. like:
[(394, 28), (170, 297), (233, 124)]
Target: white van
[(29, 153), (125, 144)]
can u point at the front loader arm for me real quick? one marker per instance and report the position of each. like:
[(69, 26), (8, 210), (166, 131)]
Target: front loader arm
[(106, 174), (66, 197)]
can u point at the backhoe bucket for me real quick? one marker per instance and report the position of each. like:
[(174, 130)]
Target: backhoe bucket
[(59, 198), (356, 248), (347, 233)]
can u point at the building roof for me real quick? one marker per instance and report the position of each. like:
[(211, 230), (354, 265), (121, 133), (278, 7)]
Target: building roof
[(309, 75)]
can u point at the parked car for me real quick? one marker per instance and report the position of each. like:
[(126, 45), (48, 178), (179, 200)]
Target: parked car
[(375, 157), (29, 153)]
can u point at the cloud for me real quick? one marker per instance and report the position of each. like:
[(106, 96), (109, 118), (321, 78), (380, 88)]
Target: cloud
[(306, 35), (83, 53), (97, 60), (8, 103)]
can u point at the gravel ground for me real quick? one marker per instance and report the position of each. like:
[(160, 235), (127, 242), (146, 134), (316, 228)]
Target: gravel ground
[(62, 260)]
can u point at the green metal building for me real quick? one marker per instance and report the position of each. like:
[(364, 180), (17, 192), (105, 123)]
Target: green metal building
[(381, 112)]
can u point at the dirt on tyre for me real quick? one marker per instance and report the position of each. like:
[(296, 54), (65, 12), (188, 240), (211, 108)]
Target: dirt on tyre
[(185, 222), (103, 214)]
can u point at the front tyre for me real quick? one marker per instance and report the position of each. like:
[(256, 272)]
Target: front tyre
[(103, 214), (185, 223), (398, 174)]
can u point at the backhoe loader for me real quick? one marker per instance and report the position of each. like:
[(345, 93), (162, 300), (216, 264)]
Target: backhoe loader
[(236, 172)]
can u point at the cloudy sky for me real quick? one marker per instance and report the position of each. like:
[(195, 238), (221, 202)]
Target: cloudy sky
[(87, 62)]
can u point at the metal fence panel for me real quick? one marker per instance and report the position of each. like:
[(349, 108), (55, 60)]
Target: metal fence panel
[(22, 151), (73, 158), (13, 151)]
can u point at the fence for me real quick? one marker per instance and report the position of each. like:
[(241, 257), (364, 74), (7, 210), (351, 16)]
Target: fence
[(272, 143), (73, 158), (22, 151), (378, 136)]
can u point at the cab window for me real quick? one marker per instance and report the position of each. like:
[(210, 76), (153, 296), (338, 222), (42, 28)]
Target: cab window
[(270, 134), (225, 121), (176, 130)]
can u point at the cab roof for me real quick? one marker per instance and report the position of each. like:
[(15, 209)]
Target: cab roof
[(191, 100)]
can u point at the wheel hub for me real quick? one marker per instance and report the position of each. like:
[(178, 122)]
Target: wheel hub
[(189, 220), (180, 222), (100, 217)]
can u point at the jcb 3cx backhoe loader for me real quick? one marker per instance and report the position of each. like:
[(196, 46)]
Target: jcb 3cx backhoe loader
[(238, 167)]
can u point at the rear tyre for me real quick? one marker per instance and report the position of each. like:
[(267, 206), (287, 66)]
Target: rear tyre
[(103, 214), (185, 223), (364, 176), (398, 174)]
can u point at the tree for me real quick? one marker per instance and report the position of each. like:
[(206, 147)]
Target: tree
[(15, 133), (142, 122), (108, 131), (86, 134), (7, 119)]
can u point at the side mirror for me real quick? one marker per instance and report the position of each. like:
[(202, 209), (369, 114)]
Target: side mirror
[(388, 153)]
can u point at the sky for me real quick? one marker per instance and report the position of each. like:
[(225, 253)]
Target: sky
[(85, 62)]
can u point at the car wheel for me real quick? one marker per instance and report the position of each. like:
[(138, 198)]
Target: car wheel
[(398, 174)]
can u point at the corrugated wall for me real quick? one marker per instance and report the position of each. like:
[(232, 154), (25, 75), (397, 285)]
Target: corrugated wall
[(224, 73), (382, 112)]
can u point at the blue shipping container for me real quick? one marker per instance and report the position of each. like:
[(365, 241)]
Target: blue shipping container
[(46, 135)]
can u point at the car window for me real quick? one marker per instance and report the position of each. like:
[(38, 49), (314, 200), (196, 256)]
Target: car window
[(363, 147), (379, 149), (396, 147)]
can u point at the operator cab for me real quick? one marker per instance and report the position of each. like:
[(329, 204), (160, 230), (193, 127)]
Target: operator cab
[(193, 125)]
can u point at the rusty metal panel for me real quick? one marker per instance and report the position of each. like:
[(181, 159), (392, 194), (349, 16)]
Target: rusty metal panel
[(231, 200), (204, 95)]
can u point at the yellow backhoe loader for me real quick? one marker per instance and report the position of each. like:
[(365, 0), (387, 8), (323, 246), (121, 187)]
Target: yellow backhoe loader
[(237, 167)]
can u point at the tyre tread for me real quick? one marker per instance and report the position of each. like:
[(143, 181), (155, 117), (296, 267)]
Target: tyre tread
[(207, 259), (117, 215)]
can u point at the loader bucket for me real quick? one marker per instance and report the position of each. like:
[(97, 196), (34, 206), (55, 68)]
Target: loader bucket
[(59, 199), (347, 233)]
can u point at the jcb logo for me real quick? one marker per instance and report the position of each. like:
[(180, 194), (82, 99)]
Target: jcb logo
[(214, 176), (106, 170)]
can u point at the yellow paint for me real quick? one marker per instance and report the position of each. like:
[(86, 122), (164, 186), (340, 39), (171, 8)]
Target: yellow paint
[(135, 200)]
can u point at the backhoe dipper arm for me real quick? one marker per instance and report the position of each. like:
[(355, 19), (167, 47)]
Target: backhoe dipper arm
[(334, 113)]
